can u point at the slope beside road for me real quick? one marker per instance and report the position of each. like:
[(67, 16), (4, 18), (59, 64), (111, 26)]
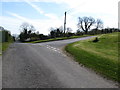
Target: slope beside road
[(43, 65)]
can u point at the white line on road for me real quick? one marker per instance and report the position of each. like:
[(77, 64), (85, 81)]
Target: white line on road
[(52, 48), (55, 49)]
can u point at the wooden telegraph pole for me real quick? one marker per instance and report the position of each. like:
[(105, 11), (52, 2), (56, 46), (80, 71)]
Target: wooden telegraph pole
[(65, 24), (119, 15)]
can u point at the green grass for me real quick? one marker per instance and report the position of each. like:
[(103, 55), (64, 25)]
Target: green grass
[(56, 39), (101, 56), (5, 45), (0, 48)]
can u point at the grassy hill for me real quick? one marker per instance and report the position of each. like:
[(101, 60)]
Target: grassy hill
[(101, 56)]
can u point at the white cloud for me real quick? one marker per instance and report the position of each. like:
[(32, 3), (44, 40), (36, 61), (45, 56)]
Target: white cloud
[(51, 15), (77, 6), (107, 10), (97, 6), (42, 26), (19, 17), (35, 7), (11, 24), (38, 9)]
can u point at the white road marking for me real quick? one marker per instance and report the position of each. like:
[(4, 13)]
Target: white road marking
[(52, 48), (55, 49)]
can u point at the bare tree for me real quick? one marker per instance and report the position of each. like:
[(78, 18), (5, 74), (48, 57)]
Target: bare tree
[(99, 24), (85, 23), (28, 27), (69, 30), (31, 28), (24, 26), (26, 30), (61, 29)]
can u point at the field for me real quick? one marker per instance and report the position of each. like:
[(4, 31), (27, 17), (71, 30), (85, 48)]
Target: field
[(101, 56)]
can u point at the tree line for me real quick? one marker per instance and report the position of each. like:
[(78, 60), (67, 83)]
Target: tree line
[(5, 35), (86, 25)]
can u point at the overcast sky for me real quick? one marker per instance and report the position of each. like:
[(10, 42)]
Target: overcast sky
[(43, 14)]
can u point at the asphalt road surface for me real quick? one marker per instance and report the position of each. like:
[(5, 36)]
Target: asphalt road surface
[(0, 71), (44, 65)]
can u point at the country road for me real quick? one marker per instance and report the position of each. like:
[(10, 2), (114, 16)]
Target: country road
[(44, 65)]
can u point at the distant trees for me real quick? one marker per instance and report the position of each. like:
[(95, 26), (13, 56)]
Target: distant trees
[(56, 32), (85, 23), (99, 24), (26, 31), (103, 31), (5, 35), (59, 32), (109, 30), (88, 25), (78, 32), (69, 32)]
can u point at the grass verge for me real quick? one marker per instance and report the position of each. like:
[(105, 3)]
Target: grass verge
[(57, 39), (5, 45), (101, 56), (0, 48)]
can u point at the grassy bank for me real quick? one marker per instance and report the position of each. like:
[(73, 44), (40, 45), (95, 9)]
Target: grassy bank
[(5, 45), (0, 48), (101, 56), (56, 39)]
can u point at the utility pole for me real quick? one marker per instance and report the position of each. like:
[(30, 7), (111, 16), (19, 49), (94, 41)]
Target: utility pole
[(119, 15), (65, 24)]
